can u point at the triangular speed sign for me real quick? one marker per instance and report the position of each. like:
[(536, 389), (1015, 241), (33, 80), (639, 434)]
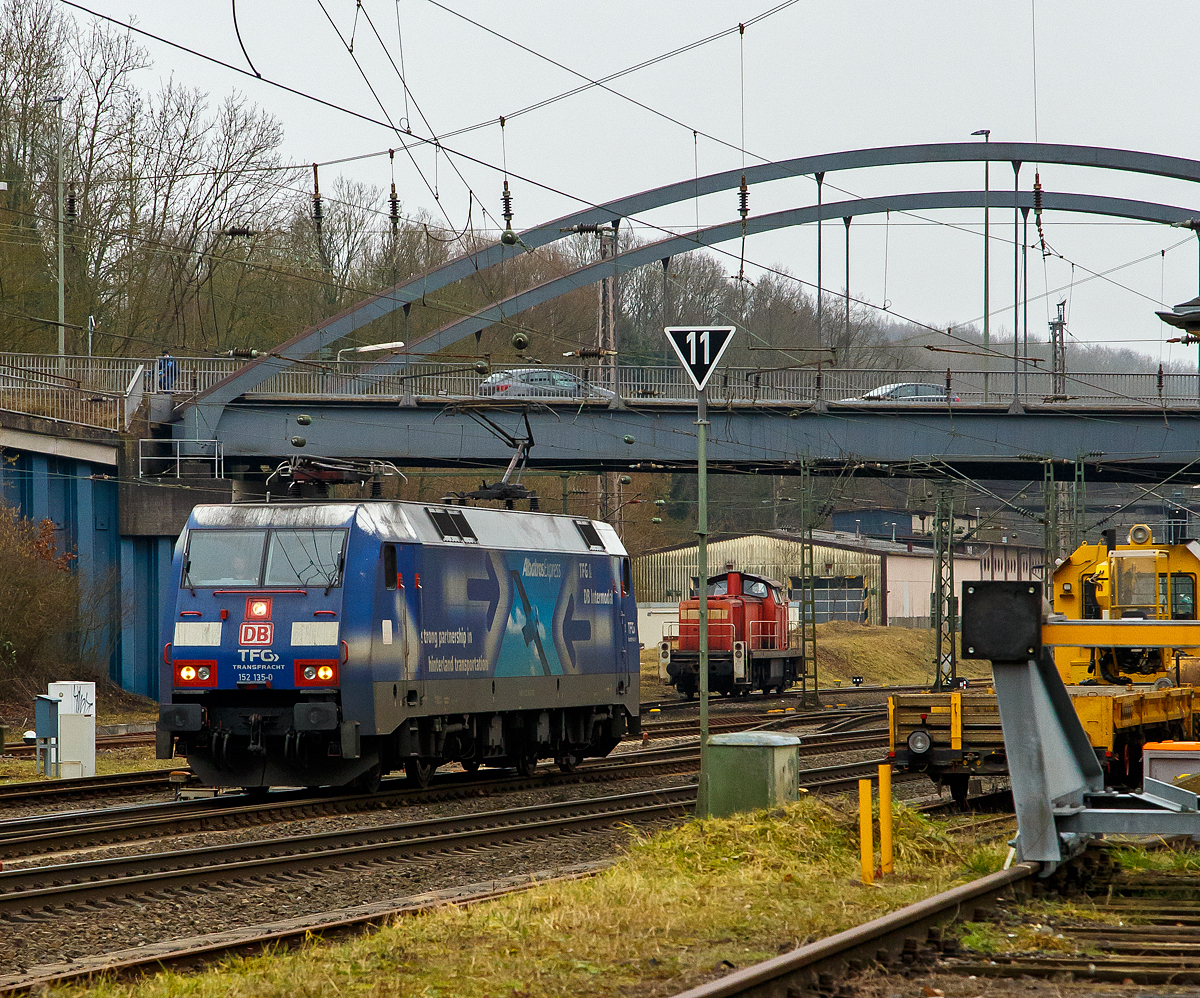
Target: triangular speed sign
[(699, 349)]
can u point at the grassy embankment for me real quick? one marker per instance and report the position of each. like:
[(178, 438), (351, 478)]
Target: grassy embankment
[(682, 903), (114, 706), (895, 656)]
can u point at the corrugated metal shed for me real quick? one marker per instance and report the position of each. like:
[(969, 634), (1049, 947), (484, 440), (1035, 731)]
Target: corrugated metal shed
[(666, 575)]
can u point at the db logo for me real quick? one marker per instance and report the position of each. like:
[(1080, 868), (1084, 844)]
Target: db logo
[(256, 634)]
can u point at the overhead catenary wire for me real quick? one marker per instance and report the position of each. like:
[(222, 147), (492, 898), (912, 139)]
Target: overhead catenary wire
[(390, 125), (364, 117)]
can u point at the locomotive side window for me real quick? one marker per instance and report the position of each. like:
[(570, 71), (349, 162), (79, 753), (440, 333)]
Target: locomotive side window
[(305, 558), (626, 580), (755, 588), (452, 525), (389, 566), (224, 558), (719, 588), (590, 537)]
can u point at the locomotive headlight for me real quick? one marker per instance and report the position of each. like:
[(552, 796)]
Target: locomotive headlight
[(187, 673), (310, 672), (202, 672), (325, 672), (919, 742), (258, 608)]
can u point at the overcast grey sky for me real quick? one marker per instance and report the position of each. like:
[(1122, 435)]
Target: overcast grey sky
[(819, 77)]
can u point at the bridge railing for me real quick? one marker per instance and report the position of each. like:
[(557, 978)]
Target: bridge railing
[(71, 388)]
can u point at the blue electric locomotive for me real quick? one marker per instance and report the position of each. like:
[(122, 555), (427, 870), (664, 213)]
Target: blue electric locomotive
[(329, 643)]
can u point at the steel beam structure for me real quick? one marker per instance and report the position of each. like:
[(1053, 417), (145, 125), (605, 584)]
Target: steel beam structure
[(206, 408), (1122, 445), (944, 600)]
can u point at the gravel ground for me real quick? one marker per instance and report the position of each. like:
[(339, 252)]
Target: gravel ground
[(370, 819), (107, 926), (74, 934)]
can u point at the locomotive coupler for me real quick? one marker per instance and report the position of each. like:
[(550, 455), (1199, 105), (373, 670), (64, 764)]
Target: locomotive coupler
[(257, 746)]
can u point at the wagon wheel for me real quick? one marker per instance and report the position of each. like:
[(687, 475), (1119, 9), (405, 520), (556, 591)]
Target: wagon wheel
[(419, 771)]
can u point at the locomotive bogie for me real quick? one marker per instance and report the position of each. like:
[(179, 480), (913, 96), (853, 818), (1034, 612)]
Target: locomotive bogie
[(350, 640)]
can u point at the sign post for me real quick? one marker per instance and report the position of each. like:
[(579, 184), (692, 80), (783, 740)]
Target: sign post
[(699, 349)]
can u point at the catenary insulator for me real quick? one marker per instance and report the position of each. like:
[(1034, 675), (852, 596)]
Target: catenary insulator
[(506, 202), (1037, 194), (71, 201), (394, 203), (744, 199)]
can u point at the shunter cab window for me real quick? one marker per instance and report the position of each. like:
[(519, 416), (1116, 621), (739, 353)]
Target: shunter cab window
[(755, 588), (1183, 595)]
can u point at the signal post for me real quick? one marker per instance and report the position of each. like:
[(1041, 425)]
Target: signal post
[(699, 349)]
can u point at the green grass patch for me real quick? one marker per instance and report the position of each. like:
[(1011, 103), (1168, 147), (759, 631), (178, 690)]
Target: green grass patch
[(1164, 856), (126, 760), (681, 901)]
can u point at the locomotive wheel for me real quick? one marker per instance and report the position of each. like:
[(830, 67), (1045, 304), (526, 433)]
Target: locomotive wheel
[(568, 763), (526, 763), (256, 793), (419, 772), (368, 782), (470, 765)]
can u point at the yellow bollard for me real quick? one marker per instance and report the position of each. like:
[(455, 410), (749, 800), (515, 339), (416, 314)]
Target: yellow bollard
[(886, 861), (866, 846)]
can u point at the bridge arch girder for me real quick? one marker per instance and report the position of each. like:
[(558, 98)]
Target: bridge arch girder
[(725, 231), (202, 412)]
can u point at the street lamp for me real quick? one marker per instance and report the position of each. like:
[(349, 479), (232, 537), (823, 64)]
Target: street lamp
[(985, 132)]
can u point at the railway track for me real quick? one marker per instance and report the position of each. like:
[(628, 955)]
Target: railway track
[(770, 719), (252, 939), (27, 892), (117, 784), (147, 782), (41, 834), (1147, 931), (833, 693), (103, 742)]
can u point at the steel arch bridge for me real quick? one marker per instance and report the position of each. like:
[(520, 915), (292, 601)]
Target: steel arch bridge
[(201, 416)]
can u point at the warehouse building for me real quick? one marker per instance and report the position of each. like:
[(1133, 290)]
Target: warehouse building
[(857, 577)]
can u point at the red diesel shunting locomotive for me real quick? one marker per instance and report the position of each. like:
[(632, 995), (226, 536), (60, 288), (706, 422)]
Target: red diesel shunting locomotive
[(751, 645)]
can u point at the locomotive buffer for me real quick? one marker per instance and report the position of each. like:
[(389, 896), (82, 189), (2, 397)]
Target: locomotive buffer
[(699, 349)]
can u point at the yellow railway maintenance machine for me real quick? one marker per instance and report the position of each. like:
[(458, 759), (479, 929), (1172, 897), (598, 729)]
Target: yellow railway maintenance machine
[(1125, 695), (1057, 781), (1140, 580)]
